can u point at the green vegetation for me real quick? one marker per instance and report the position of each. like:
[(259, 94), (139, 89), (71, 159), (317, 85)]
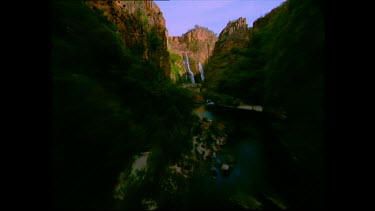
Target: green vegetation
[(153, 40), (283, 69), (175, 58), (142, 16), (175, 67), (108, 105), (193, 45), (193, 65)]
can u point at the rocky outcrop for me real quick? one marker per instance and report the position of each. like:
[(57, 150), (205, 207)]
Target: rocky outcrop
[(234, 38), (233, 27), (199, 43), (141, 26), (235, 34)]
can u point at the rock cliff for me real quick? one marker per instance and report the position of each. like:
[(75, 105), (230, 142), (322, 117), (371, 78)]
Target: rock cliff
[(141, 26), (198, 43), (235, 34)]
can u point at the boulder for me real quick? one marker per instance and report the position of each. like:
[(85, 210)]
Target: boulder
[(224, 167)]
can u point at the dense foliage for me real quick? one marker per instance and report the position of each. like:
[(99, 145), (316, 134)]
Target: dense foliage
[(176, 62), (108, 105), (282, 68)]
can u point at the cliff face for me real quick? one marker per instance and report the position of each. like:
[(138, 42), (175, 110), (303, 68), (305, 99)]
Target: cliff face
[(282, 68), (235, 34), (141, 26), (233, 38), (198, 43)]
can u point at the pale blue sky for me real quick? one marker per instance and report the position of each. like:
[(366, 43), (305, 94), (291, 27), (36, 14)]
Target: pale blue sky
[(182, 15)]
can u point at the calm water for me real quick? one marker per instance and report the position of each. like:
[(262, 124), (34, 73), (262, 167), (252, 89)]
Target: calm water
[(202, 112), (246, 176), (264, 171)]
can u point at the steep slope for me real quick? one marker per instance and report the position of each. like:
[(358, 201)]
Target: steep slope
[(198, 43), (104, 110), (141, 26), (233, 37), (282, 68)]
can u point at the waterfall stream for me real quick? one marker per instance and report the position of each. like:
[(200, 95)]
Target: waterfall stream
[(201, 70), (188, 68)]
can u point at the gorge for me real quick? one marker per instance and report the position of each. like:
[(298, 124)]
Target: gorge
[(144, 120)]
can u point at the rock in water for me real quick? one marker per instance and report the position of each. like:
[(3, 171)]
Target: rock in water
[(225, 167)]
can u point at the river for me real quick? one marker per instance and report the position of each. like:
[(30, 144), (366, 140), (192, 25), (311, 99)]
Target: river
[(247, 185)]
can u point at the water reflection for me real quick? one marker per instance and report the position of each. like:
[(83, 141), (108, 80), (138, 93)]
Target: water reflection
[(202, 112)]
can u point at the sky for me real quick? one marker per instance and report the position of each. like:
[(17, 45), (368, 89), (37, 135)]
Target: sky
[(183, 15)]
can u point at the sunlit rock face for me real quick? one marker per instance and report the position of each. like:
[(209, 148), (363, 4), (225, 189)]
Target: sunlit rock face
[(198, 43), (235, 34), (141, 26), (234, 26), (235, 37), (205, 43)]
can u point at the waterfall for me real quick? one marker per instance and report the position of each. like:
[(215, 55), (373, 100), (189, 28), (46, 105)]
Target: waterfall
[(201, 70), (182, 55), (188, 66)]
